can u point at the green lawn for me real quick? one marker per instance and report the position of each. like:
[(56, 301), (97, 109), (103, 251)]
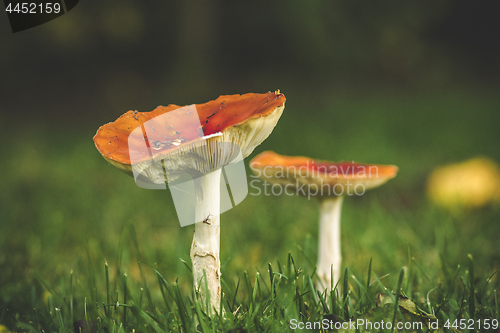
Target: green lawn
[(65, 212)]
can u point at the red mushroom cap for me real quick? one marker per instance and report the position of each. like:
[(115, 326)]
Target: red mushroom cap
[(243, 120), (296, 171)]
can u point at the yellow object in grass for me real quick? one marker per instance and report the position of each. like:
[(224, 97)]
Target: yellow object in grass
[(470, 184), (4, 329)]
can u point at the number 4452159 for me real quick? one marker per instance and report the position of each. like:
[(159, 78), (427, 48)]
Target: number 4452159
[(471, 324), (33, 8)]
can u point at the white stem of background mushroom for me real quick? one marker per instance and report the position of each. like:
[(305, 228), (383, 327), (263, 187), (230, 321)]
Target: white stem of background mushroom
[(206, 240), (329, 243)]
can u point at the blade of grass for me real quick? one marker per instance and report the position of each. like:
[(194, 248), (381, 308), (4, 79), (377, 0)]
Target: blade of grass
[(44, 283), (289, 264), (445, 299), (472, 300), (119, 259), (255, 287), (161, 278), (331, 277), (346, 287), (362, 293), (271, 279), (369, 275), (496, 304), (408, 274), (145, 288), (235, 294), (148, 319), (181, 307), (369, 301), (187, 265), (262, 283), (421, 270), (429, 306), (33, 306), (249, 288), (321, 297), (125, 301), (164, 297), (488, 280), (85, 312), (70, 296), (396, 307), (334, 300), (201, 316), (108, 295), (311, 286), (58, 313)]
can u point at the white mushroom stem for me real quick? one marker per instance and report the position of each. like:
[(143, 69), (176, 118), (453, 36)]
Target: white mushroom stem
[(206, 241), (329, 255)]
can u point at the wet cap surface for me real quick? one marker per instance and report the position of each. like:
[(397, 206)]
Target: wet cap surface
[(213, 117)]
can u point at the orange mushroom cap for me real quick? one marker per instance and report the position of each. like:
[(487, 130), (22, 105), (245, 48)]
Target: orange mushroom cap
[(243, 120), (296, 171)]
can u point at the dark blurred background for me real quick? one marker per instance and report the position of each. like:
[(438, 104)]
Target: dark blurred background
[(105, 58), (410, 83)]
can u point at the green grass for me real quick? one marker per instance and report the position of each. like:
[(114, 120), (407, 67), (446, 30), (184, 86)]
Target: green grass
[(79, 241)]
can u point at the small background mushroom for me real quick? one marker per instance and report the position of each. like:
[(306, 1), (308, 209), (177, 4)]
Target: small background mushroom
[(330, 182), (467, 185)]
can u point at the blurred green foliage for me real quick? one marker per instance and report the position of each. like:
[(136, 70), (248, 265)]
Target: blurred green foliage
[(65, 208)]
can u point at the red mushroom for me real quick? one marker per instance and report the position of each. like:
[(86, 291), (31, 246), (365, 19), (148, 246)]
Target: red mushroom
[(161, 145), (331, 182)]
